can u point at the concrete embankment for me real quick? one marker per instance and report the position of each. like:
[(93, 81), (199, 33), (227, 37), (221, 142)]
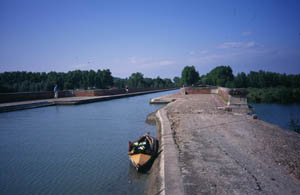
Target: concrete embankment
[(14, 106), (207, 149)]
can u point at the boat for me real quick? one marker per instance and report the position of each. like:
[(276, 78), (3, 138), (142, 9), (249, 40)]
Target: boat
[(143, 152)]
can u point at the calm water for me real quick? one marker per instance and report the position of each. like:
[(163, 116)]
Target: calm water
[(278, 114), (74, 149)]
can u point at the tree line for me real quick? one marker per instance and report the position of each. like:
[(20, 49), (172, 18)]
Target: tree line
[(137, 80), (36, 81), (21, 81), (263, 86), (223, 76)]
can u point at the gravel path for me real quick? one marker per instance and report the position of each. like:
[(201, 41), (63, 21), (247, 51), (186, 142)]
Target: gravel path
[(224, 152)]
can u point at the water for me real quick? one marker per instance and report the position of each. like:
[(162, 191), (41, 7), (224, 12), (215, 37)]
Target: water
[(74, 149), (278, 114)]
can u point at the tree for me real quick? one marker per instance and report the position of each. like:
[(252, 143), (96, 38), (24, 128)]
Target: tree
[(168, 83), (240, 81), (220, 76), (189, 75), (136, 80), (107, 79), (148, 82), (91, 78), (159, 83), (84, 79), (98, 80), (177, 81), (119, 83)]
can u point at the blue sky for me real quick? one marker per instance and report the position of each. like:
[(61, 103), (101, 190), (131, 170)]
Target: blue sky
[(157, 38)]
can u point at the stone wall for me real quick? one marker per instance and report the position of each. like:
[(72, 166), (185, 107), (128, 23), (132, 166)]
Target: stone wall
[(234, 97), (195, 90), (84, 92), (224, 93), (104, 92)]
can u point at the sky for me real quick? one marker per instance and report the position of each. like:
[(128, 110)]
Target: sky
[(156, 38)]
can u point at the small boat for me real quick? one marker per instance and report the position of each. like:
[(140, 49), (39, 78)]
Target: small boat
[(142, 152)]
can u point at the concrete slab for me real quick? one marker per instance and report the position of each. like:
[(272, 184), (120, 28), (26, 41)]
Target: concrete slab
[(170, 171)]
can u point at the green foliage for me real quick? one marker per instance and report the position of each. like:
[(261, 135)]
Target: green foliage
[(28, 81), (177, 81), (219, 76), (100, 79), (240, 81), (136, 80), (281, 95), (263, 87), (167, 83), (148, 82), (222, 76), (189, 75), (158, 83), (262, 79), (119, 83)]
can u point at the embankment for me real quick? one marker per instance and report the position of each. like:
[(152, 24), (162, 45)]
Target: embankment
[(207, 149)]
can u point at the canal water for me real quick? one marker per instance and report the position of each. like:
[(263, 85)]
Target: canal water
[(278, 114), (74, 149)]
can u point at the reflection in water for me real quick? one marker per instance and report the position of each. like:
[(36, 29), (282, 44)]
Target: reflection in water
[(74, 149)]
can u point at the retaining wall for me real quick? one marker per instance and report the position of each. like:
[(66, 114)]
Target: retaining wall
[(104, 92), (195, 90), (224, 93), (24, 96)]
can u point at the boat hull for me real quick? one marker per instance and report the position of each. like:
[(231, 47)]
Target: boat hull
[(142, 161)]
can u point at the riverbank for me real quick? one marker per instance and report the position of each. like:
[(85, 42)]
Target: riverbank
[(14, 106), (208, 149)]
